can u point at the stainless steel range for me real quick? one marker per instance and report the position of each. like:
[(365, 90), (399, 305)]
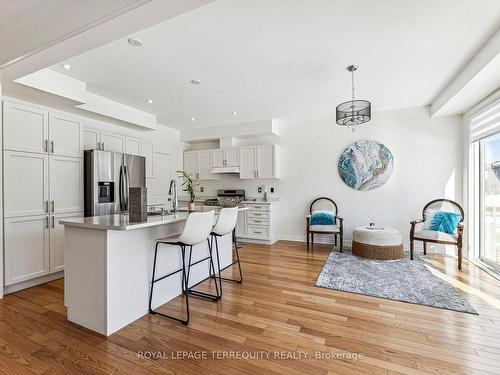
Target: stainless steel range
[(226, 195)]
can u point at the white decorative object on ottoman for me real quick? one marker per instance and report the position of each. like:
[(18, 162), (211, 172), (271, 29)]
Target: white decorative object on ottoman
[(377, 243)]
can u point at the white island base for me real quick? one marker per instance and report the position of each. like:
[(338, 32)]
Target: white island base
[(109, 263)]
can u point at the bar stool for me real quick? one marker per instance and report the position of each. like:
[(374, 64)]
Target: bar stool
[(226, 223), (196, 230)]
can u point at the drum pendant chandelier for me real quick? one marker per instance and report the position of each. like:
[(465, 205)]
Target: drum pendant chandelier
[(354, 112)]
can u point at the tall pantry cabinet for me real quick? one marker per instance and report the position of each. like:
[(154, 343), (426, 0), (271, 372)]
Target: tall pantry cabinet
[(43, 182)]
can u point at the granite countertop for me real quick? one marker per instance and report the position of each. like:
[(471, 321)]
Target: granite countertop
[(122, 222)]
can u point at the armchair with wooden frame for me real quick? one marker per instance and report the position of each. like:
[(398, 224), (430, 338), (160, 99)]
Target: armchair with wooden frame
[(419, 233), (324, 203)]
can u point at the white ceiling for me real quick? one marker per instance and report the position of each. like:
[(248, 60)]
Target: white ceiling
[(30, 25), (287, 58)]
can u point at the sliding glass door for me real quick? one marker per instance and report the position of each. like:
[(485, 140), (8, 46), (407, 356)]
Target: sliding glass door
[(489, 190)]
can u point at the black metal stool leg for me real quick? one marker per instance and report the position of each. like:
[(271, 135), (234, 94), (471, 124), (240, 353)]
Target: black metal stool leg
[(196, 293), (153, 280), (184, 284), (237, 261)]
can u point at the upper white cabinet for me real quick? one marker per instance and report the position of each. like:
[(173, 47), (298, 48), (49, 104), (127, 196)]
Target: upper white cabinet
[(66, 184), (254, 161), (205, 166), (26, 248), (158, 187), (132, 146), (229, 157), (91, 139), (112, 142), (248, 162), (199, 164), (192, 163), (259, 162), (31, 129), (147, 150), (267, 156), (26, 185), (26, 128), (66, 135)]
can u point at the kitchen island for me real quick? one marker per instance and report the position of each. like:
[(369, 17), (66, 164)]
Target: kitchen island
[(109, 263)]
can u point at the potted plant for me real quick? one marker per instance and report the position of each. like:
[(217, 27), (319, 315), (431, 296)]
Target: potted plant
[(189, 187)]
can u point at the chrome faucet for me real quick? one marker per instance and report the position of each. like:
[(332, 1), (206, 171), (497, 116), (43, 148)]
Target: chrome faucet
[(173, 191)]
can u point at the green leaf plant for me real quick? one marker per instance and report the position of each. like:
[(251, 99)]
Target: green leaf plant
[(188, 185)]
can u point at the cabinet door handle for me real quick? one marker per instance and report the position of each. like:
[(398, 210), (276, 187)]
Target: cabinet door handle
[(46, 206), (258, 221), (53, 205), (46, 145), (46, 222), (256, 214), (257, 232), (52, 146), (102, 146), (98, 145), (53, 222)]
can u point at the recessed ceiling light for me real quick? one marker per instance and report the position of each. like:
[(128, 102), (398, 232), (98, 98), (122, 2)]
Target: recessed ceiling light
[(135, 42), (193, 118), (150, 101), (234, 113), (195, 82), (67, 66)]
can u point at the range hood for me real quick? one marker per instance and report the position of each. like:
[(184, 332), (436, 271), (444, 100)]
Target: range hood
[(226, 170)]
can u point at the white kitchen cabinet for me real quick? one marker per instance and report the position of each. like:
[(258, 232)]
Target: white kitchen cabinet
[(91, 139), (66, 184), (228, 157), (147, 150), (192, 164), (232, 157), (26, 128), (65, 135), (205, 166), (248, 162), (26, 184), (259, 162), (218, 158), (241, 224), (158, 187), (112, 142), (266, 158), (56, 248), (132, 145), (259, 223), (26, 248)]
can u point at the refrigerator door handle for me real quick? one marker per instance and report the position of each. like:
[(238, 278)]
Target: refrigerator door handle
[(127, 186), (120, 182)]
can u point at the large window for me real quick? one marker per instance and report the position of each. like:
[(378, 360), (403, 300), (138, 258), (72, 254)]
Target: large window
[(489, 190)]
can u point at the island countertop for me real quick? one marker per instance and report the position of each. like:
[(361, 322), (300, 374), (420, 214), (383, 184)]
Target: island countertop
[(122, 222)]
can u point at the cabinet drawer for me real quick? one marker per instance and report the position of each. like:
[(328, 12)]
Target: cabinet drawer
[(258, 207), (258, 215), (258, 232), (258, 222)]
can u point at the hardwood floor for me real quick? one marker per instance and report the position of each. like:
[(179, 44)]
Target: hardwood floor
[(277, 311)]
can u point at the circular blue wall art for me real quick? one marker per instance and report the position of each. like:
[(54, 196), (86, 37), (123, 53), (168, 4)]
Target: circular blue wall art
[(366, 165)]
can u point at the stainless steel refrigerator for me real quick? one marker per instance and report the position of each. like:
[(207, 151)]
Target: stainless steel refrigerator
[(107, 178)]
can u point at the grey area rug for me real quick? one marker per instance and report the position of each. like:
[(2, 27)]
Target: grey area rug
[(401, 280)]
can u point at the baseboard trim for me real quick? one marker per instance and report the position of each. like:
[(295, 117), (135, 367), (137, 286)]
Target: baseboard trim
[(30, 283)]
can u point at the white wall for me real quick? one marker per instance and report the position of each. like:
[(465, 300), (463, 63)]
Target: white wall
[(427, 165)]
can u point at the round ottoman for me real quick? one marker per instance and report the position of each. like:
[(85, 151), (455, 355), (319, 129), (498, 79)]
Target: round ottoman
[(377, 243)]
